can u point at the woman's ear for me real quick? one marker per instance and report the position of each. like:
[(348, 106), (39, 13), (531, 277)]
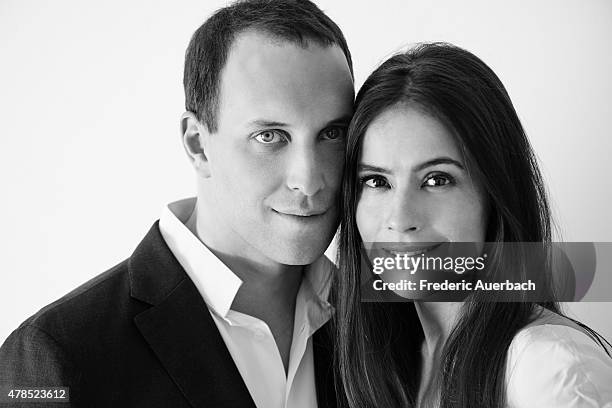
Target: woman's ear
[(195, 141)]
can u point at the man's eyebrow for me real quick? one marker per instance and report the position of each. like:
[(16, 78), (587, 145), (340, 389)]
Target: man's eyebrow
[(342, 120), (439, 160), (267, 123)]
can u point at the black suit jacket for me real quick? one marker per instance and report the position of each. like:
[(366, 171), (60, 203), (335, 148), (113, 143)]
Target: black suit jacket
[(138, 335)]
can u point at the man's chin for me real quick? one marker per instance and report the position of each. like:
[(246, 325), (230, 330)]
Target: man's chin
[(290, 244), (298, 253)]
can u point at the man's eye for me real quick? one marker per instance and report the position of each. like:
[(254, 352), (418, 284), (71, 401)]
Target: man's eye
[(438, 180), (269, 137), (374, 181), (334, 133)]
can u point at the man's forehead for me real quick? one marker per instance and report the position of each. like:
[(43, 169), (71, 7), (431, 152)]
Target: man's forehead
[(275, 76), (258, 54)]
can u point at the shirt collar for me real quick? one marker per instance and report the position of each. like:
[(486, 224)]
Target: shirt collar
[(217, 284)]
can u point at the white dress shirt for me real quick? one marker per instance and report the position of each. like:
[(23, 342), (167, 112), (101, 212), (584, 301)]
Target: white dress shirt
[(556, 366), (248, 339)]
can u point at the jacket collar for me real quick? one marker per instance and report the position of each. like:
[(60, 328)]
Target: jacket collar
[(183, 336), (179, 328)]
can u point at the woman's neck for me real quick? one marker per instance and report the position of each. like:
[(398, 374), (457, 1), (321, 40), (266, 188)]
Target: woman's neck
[(438, 320)]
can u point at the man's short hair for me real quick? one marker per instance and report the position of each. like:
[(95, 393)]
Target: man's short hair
[(296, 21)]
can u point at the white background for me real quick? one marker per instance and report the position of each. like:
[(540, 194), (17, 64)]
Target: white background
[(91, 93)]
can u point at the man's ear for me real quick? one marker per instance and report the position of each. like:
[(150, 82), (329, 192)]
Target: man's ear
[(195, 137)]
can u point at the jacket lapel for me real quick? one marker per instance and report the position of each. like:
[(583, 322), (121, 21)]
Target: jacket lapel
[(180, 329)]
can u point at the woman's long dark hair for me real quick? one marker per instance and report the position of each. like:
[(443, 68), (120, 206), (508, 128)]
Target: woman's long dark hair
[(378, 344)]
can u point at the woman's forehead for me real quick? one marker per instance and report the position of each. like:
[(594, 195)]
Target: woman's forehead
[(403, 136)]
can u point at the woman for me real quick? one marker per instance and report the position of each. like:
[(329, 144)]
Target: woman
[(436, 153)]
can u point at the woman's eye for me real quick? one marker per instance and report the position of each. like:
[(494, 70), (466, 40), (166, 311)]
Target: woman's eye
[(269, 137), (374, 181), (334, 133), (438, 180)]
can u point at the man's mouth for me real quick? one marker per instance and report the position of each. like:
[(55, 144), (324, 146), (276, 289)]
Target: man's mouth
[(300, 213)]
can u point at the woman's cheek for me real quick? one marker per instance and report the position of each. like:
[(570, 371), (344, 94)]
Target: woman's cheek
[(368, 215), (460, 218)]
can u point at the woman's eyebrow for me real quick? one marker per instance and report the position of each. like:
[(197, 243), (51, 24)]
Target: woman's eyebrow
[(424, 165), (375, 169), (439, 160)]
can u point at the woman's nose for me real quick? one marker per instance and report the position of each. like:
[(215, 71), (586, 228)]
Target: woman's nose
[(404, 214)]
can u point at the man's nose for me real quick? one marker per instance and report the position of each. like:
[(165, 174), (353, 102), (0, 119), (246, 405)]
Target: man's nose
[(306, 172), (404, 213)]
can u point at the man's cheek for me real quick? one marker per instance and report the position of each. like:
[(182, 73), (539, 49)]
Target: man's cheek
[(332, 172), (263, 173)]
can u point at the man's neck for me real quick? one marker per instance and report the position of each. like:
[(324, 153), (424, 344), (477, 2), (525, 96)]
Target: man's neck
[(268, 291), (261, 276)]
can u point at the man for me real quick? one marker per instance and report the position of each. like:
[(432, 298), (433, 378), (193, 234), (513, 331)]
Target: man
[(224, 302)]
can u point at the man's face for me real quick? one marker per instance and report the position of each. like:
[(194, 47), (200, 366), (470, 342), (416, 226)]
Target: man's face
[(276, 160)]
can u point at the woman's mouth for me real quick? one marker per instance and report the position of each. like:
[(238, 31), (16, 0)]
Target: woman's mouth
[(410, 248)]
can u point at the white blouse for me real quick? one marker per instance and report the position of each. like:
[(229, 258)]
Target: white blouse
[(552, 365)]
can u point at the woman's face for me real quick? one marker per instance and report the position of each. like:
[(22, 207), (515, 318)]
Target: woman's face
[(415, 187)]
